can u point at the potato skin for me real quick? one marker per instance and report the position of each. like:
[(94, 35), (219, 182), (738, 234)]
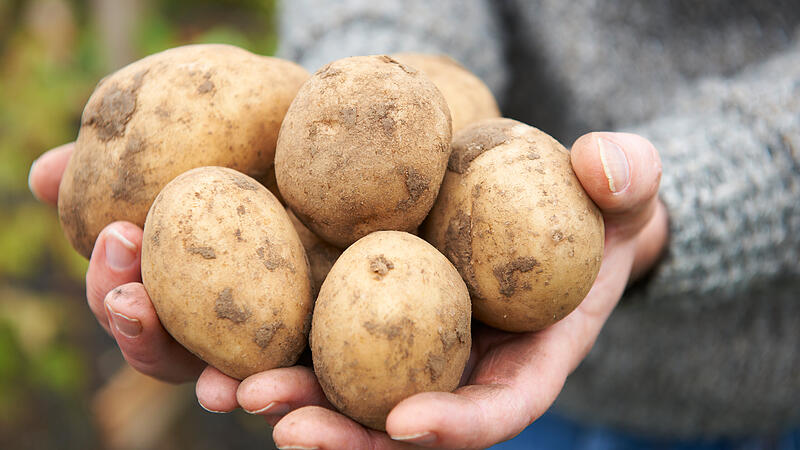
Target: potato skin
[(321, 255), (363, 147), (469, 99), (392, 319), (192, 106), (226, 271), (516, 222)]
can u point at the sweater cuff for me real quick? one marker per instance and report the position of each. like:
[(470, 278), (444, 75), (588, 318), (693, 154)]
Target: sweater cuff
[(733, 216)]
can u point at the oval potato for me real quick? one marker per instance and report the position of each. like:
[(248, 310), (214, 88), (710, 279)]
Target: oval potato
[(516, 222), (392, 319), (363, 147), (192, 106), (226, 271)]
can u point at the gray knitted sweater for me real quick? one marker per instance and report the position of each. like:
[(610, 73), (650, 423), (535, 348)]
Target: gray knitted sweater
[(709, 344)]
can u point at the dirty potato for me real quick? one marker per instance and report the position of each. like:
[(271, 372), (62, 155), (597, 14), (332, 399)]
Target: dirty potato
[(152, 120), (392, 319), (363, 147), (467, 96), (516, 222), (226, 271)]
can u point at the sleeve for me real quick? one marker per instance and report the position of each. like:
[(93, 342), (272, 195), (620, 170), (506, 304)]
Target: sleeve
[(731, 183), (315, 32)]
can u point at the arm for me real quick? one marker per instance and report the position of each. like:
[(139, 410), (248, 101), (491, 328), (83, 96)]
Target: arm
[(731, 155)]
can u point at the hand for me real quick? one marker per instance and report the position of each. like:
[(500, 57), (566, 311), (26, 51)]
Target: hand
[(511, 379), (114, 290)]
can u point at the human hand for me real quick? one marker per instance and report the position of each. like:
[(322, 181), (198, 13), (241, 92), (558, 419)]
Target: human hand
[(511, 378), (114, 290)]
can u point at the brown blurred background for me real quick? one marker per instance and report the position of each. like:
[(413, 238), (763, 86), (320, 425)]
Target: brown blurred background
[(63, 384)]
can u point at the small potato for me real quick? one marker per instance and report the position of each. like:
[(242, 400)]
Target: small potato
[(193, 106), (363, 147), (226, 271), (321, 255), (392, 319), (516, 222), (467, 96)]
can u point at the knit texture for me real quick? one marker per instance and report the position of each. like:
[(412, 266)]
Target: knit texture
[(708, 345)]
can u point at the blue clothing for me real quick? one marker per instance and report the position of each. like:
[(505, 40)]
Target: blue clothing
[(554, 432)]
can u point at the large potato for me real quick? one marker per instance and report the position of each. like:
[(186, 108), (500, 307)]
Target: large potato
[(363, 147), (226, 271), (516, 222), (200, 105), (467, 96), (392, 319)]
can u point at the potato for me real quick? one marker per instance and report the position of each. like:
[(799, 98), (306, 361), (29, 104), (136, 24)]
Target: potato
[(516, 222), (363, 147), (269, 182), (226, 271), (321, 255), (392, 320), (467, 96), (187, 107)]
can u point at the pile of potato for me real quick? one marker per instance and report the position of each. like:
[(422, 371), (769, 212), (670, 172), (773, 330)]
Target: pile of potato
[(368, 152)]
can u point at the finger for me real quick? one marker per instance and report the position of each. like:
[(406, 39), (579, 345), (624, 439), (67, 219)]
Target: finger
[(116, 260), (621, 173), (144, 343), (46, 172), (314, 427), (516, 380), (274, 393), (651, 241), (216, 392)]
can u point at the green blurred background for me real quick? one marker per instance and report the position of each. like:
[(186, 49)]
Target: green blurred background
[(63, 384)]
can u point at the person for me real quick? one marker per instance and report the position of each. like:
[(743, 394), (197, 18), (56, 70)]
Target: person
[(702, 349)]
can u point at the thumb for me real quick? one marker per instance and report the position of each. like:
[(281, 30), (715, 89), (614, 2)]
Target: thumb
[(621, 173)]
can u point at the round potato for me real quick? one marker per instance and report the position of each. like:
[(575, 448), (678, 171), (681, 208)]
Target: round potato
[(392, 319), (321, 255), (226, 271), (199, 105), (363, 147), (467, 96), (516, 222)]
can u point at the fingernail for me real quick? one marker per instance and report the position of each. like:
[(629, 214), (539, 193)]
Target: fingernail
[(127, 326), (273, 408), (120, 252), (615, 165), (210, 410), (30, 175), (424, 438)]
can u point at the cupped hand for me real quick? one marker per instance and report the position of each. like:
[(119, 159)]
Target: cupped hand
[(511, 378), (114, 290)]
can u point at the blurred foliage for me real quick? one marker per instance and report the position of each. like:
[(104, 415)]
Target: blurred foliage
[(52, 54)]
